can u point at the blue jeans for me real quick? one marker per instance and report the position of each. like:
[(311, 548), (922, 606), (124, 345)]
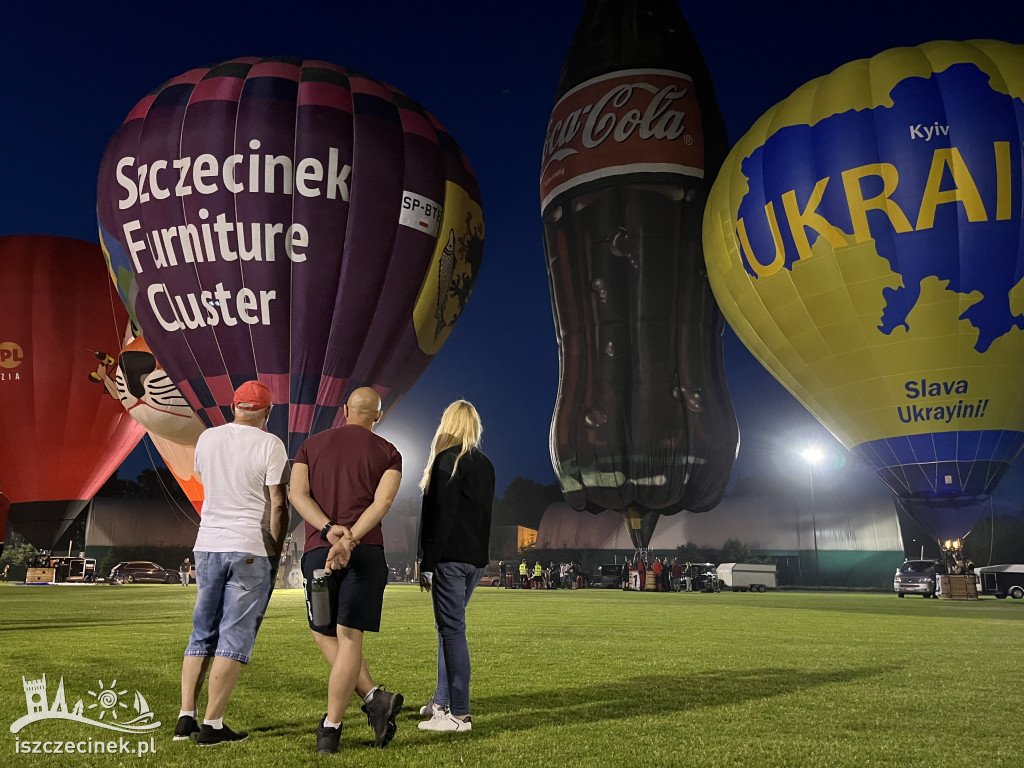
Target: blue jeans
[(452, 586), (233, 590)]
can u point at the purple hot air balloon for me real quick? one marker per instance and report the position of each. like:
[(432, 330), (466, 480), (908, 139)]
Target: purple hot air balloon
[(291, 221)]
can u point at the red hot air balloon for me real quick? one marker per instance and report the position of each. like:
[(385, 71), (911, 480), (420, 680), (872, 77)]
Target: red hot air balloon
[(61, 437), (290, 221)]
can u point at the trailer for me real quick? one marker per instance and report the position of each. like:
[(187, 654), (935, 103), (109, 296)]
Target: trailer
[(741, 577), (73, 569), (56, 569), (1000, 580)]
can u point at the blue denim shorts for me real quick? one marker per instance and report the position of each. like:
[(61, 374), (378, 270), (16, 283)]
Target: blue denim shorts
[(232, 596)]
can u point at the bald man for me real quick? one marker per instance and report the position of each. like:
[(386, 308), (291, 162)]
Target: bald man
[(343, 483)]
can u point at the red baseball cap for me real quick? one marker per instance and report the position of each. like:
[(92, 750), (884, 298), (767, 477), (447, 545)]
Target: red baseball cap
[(252, 396)]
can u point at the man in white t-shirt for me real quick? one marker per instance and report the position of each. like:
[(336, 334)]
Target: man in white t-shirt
[(244, 471)]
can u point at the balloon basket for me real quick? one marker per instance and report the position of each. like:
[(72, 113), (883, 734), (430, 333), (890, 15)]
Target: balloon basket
[(40, 576), (957, 587)]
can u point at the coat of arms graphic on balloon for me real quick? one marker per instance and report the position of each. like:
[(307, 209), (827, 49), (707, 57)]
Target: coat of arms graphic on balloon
[(864, 240), (291, 221), (643, 423)]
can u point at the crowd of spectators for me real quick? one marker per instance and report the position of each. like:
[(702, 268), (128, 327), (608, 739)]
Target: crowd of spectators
[(655, 575), (538, 576), (650, 574)]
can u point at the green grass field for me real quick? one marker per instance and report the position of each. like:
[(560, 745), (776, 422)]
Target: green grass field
[(588, 678)]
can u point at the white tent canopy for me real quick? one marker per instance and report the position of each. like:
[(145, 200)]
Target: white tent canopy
[(764, 522)]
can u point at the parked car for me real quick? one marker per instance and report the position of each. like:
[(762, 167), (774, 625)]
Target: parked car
[(701, 577), (609, 575), (142, 570), (916, 577), (488, 581)]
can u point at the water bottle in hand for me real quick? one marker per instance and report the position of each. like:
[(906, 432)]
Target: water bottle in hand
[(319, 599)]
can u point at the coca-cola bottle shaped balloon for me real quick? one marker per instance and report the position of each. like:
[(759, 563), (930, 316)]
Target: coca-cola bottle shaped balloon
[(643, 422)]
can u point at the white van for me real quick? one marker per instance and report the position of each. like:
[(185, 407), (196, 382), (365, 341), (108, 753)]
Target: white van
[(1000, 580)]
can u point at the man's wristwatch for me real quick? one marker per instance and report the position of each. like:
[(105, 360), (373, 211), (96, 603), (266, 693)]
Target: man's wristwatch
[(325, 530)]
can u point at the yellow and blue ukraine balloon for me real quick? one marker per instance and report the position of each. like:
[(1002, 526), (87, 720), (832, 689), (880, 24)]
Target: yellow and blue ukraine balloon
[(865, 241)]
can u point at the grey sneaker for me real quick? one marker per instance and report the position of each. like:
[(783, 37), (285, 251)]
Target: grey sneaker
[(186, 728), (209, 736), (380, 714), (327, 739)]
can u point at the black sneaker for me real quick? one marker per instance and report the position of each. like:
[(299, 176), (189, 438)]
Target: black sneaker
[(186, 728), (327, 739), (380, 714), (208, 735)]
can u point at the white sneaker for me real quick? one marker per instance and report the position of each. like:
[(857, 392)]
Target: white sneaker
[(446, 721), (430, 709)]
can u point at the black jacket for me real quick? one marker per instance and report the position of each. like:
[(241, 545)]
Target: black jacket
[(455, 525)]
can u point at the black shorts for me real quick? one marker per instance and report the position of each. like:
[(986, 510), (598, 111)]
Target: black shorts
[(356, 592)]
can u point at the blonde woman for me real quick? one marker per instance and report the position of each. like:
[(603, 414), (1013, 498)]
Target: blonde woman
[(455, 528)]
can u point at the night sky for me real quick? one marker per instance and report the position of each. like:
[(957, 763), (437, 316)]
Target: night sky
[(488, 71)]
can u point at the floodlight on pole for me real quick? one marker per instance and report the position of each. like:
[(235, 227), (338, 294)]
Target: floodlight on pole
[(813, 455)]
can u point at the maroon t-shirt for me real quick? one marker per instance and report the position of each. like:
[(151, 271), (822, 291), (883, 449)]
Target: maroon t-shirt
[(345, 468)]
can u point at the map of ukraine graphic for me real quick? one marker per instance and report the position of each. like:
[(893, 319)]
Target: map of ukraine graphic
[(977, 257)]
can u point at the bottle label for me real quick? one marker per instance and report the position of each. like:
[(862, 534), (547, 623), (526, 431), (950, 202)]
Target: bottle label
[(629, 121)]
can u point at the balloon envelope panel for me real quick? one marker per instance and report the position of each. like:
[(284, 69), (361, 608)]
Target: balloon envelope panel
[(864, 241), (291, 221), (61, 436)]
